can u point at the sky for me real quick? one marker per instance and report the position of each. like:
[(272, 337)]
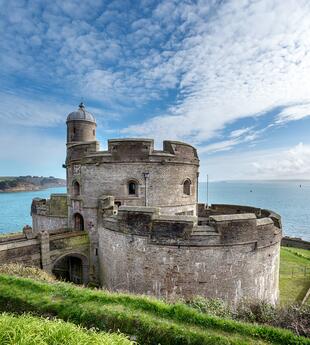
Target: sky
[(229, 77)]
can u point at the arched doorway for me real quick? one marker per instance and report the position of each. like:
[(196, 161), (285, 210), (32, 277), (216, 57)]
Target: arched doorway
[(78, 222), (72, 268)]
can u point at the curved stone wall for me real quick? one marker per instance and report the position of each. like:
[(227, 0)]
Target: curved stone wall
[(109, 172), (236, 257), (78, 131)]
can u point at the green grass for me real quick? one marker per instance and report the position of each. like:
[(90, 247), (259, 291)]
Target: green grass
[(294, 274), (152, 321), (29, 330)]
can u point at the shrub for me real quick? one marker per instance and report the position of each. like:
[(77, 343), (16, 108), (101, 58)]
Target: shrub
[(216, 306)]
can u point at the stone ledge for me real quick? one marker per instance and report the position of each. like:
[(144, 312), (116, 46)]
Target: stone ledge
[(233, 217)]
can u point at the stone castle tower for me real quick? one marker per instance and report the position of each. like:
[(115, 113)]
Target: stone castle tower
[(147, 232)]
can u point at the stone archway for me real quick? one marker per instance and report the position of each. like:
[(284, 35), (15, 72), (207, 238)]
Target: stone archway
[(72, 267)]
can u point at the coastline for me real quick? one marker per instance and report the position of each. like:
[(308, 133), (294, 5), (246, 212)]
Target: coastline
[(30, 188)]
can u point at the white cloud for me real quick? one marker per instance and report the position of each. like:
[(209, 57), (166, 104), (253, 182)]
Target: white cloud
[(293, 113), (248, 58), (289, 163), (20, 110), (238, 132), (224, 61)]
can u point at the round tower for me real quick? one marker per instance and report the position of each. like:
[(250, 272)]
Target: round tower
[(81, 126)]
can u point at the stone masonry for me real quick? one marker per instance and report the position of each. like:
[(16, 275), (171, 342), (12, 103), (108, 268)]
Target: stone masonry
[(146, 231)]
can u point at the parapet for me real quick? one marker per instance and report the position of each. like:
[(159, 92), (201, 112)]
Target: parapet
[(220, 230), (205, 211), (133, 150), (55, 206)]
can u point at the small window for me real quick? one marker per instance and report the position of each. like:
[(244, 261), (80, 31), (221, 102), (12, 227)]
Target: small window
[(74, 130), (94, 132), (187, 187), (132, 188), (76, 188)]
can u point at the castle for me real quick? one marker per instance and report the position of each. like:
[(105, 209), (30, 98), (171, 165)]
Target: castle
[(146, 231)]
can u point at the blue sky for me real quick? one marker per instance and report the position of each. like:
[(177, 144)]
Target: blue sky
[(230, 77)]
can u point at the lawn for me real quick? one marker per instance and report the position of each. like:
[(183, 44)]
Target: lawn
[(294, 274), (149, 320), (29, 330)]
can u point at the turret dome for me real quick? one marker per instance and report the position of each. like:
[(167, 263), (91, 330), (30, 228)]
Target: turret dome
[(81, 115)]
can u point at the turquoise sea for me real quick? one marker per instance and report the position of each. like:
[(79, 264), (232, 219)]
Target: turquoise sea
[(291, 199)]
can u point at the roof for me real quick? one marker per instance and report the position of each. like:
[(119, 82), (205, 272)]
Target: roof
[(81, 115)]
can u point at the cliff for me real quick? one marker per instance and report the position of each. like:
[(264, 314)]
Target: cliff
[(29, 183)]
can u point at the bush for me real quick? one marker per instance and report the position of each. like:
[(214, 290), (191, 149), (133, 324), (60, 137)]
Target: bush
[(293, 317), (216, 307), (255, 311)]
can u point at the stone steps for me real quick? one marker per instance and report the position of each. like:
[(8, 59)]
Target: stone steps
[(203, 231)]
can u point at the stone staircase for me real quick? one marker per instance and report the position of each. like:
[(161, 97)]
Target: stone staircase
[(205, 233)]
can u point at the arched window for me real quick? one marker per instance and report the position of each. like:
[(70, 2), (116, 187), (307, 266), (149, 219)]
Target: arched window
[(187, 187), (76, 188), (132, 188), (78, 222)]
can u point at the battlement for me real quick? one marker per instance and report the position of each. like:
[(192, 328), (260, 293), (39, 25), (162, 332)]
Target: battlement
[(56, 205), (49, 214), (205, 211), (218, 230), (133, 150)]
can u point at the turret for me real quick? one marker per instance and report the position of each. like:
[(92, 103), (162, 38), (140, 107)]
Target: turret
[(81, 126)]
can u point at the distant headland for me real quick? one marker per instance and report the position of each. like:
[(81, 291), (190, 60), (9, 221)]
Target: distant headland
[(28, 183)]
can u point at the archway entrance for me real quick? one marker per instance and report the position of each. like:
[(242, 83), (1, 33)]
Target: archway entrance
[(71, 268), (78, 222)]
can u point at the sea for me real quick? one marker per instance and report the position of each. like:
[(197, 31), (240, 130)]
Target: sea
[(291, 199)]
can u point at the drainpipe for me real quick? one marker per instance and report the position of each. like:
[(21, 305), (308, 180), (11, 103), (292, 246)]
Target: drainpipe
[(146, 176)]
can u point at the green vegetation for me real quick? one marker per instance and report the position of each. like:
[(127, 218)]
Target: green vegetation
[(8, 183), (294, 274), (22, 271), (29, 330), (150, 320)]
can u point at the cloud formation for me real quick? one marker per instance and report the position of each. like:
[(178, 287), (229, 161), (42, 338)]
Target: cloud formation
[(284, 163), (169, 69)]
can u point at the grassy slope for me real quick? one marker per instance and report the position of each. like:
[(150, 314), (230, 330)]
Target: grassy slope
[(29, 330), (151, 320), (294, 274)]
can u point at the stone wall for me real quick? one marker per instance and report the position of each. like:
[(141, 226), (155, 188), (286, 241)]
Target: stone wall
[(48, 223), (295, 242), (81, 131), (237, 257), (49, 214), (109, 172), (22, 250), (45, 249)]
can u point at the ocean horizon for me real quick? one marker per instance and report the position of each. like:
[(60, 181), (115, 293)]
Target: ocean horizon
[(289, 198)]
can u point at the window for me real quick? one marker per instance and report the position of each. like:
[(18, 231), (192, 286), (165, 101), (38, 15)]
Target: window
[(187, 187), (132, 188), (94, 132), (76, 188)]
